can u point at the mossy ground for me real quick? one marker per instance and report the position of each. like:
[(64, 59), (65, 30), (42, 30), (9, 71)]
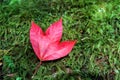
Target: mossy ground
[(95, 24)]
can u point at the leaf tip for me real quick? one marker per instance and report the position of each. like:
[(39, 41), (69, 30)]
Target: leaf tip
[(60, 20), (32, 23)]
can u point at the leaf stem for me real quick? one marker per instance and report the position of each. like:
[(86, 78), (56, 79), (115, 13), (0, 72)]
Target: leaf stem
[(36, 69)]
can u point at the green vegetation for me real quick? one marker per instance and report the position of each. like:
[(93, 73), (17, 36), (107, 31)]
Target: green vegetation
[(95, 24)]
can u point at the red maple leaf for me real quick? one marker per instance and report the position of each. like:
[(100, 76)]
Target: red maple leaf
[(47, 45)]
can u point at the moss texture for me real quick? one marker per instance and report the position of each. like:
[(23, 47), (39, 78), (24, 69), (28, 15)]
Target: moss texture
[(95, 24)]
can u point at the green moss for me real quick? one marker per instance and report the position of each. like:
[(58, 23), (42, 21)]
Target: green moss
[(95, 24)]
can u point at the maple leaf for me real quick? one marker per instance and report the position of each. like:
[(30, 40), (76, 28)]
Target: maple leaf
[(47, 45)]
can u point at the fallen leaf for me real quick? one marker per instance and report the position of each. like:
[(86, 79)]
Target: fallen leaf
[(47, 45)]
